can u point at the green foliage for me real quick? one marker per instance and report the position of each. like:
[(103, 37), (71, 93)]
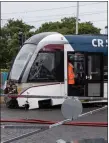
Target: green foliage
[(9, 40), (88, 28), (9, 44), (68, 26), (4, 70)]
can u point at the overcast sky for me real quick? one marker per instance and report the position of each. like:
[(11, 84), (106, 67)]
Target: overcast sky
[(36, 13)]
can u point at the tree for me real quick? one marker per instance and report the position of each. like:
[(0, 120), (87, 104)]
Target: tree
[(88, 28), (68, 26), (9, 40)]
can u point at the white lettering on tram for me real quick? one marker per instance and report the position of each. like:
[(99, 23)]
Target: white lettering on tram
[(99, 43), (93, 42)]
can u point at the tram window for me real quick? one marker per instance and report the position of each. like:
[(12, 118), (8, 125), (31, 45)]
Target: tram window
[(94, 67), (43, 68), (47, 67), (22, 58), (105, 67), (77, 60), (78, 63)]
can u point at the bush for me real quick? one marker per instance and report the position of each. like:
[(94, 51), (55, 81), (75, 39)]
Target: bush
[(4, 70)]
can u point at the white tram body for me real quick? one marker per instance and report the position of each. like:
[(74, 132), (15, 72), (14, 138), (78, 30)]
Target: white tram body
[(40, 67)]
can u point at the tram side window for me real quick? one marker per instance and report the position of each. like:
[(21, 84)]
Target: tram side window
[(94, 67), (105, 67)]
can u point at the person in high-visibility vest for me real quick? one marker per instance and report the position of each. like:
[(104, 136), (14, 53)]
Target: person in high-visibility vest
[(71, 74), (71, 78)]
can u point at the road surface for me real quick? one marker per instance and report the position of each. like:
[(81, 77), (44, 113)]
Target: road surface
[(67, 133)]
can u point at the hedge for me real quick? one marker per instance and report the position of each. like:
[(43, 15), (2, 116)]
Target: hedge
[(4, 70)]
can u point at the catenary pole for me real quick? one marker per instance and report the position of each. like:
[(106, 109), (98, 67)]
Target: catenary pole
[(77, 17)]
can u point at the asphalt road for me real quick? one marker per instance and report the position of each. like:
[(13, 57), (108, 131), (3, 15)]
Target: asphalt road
[(67, 133)]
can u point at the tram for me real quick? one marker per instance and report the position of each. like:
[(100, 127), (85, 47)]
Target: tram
[(40, 68)]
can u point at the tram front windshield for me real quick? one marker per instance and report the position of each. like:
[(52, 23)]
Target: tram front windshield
[(47, 67), (21, 60)]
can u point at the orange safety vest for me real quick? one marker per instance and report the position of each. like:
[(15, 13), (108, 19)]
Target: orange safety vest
[(71, 74)]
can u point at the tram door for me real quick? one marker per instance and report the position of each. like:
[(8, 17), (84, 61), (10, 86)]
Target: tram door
[(94, 74), (88, 74)]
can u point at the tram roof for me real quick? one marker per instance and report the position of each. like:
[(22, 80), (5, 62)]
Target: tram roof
[(35, 39), (88, 43), (78, 42)]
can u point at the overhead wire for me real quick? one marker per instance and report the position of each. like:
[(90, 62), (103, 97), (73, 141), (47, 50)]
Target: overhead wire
[(58, 20), (46, 20), (85, 13), (50, 9), (64, 16), (41, 20)]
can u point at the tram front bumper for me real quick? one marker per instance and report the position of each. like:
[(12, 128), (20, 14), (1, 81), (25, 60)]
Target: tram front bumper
[(35, 103)]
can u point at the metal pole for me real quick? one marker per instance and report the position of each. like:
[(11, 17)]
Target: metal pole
[(77, 16)]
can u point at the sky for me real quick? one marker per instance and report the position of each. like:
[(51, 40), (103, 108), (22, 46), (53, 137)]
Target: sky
[(37, 13)]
